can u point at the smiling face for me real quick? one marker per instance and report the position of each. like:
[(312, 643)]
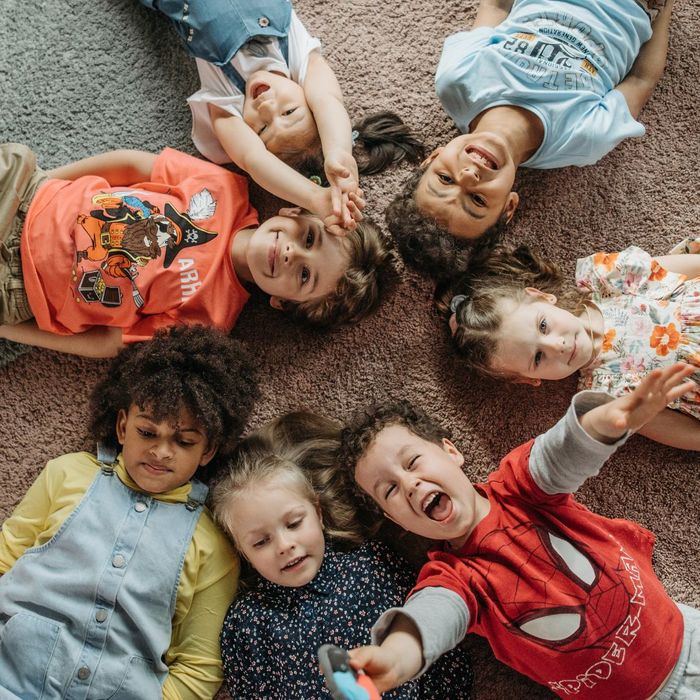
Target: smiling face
[(467, 185), (293, 258), (275, 108), (420, 485), (539, 340), (159, 456), (279, 531)]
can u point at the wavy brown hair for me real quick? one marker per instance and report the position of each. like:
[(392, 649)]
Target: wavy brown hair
[(502, 274), (370, 274)]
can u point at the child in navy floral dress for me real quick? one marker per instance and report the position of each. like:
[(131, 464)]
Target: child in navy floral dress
[(312, 580)]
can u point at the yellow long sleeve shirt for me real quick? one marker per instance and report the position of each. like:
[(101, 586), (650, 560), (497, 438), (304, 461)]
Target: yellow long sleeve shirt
[(207, 584)]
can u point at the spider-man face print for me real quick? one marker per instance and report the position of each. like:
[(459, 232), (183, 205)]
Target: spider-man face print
[(557, 595)]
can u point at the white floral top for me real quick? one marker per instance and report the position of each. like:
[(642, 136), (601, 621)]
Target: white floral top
[(651, 319)]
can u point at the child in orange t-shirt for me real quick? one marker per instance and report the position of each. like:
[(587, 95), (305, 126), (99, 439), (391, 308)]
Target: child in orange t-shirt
[(106, 250)]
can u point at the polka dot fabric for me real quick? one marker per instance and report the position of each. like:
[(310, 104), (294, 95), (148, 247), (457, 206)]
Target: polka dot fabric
[(272, 633)]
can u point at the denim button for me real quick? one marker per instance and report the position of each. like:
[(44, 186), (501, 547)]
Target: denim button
[(264, 22), (140, 506), (101, 615), (83, 673), (118, 561)]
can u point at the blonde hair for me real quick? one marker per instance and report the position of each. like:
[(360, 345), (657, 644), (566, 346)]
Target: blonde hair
[(300, 447), (370, 272), (495, 276)]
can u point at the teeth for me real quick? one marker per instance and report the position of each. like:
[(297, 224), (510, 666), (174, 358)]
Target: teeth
[(431, 500), (482, 158)]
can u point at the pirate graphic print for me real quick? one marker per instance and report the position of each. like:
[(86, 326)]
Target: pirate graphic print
[(125, 232)]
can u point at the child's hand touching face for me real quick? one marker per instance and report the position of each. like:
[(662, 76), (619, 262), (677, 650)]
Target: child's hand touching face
[(354, 203), (631, 411), (344, 180)]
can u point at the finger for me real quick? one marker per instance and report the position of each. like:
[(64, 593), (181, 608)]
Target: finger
[(336, 199), (676, 373), (336, 230), (346, 215), (678, 391)]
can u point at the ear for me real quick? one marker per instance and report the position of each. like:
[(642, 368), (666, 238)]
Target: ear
[(454, 453), (431, 157), (527, 380), (277, 303), (290, 211), (511, 205), (121, 426), (538, 294), (208, 455)]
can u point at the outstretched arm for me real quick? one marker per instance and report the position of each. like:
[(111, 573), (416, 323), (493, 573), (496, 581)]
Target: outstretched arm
[(648, 67), (99, 341), (325, 99), (632, 411), (675, 429), (687, 264), (491, 13), (124, 167), (247, 150)]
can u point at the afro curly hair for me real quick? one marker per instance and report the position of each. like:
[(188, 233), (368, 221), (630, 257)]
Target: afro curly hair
[(195, 368)]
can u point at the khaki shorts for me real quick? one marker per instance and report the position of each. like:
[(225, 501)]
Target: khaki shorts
[(19, 180)]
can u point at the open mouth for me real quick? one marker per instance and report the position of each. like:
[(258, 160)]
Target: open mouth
[(486, 159), (295, 563), (437, 506), (272, 256), (259, 89)]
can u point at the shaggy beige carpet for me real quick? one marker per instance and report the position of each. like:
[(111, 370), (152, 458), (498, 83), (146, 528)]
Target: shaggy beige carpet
[(77, 78)]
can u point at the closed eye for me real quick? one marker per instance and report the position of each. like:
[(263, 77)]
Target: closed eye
[(261, 129), (260, 543), (389, 491), (145, 433), (295, 524)]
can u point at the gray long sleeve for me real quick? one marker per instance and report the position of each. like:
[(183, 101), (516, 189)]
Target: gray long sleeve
[(566, 455), (440, 615)]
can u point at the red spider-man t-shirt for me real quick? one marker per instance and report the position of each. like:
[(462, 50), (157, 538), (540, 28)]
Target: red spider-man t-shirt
[(565, 596)]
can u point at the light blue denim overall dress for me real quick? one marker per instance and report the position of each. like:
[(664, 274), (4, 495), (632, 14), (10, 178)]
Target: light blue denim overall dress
[(89, 613), (214, 30)]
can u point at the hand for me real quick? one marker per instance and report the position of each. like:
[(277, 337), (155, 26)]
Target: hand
[(334, 223), (343, 178), (379, 664), (631, 411)]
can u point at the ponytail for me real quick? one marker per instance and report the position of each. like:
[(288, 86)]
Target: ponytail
[(384, 140)]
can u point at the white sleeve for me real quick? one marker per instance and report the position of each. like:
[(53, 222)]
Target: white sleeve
[(566, 455), (301, 44), (441, 616)]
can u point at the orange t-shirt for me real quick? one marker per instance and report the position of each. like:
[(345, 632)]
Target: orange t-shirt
[(141, 257)]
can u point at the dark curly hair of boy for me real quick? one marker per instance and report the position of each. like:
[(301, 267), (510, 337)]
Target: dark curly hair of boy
[(424, 244), (363, 427), (196, 368)]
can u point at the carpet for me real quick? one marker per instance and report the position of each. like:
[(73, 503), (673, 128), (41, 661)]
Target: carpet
[(78, 78)]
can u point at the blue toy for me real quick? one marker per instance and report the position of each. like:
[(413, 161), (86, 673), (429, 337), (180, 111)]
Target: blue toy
[(344, 682)]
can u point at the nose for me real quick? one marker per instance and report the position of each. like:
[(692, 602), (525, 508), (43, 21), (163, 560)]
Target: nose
[(290, 253), (411, 483), (555, 343), (468, 175), (285, 543), (161, 451)]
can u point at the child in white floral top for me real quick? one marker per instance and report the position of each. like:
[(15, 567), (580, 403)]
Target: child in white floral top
[(630, 314)]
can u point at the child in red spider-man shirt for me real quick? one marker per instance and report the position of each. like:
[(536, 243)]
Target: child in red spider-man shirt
[(563, 595)]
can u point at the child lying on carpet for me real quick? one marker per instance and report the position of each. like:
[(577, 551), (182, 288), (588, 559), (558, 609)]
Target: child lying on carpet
[(120, 244), (630, 314), (114, 578), (563, 595), (313, 577), (535, 83), (270, 103)]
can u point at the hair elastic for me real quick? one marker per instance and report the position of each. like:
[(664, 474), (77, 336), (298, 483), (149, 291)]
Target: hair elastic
[(456, 301), (355, 134)]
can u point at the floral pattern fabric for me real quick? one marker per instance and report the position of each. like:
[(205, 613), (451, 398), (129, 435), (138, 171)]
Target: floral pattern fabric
[(651, 319), (272, 633)]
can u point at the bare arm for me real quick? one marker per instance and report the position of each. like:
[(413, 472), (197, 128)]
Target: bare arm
[(99, 341), (247, 150), (491, 13), (675, 429), (325, 99), (119, 168), (688, 265), (648, 67)]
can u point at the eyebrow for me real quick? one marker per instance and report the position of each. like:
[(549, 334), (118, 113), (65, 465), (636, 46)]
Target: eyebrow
[(465, 208)]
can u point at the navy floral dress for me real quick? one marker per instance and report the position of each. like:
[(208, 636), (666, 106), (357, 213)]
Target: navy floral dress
[(271, 633)]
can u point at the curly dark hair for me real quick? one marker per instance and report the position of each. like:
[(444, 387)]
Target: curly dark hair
[(363, 427), (195, 368), (370, 274), (502, 274), (428, 247)]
